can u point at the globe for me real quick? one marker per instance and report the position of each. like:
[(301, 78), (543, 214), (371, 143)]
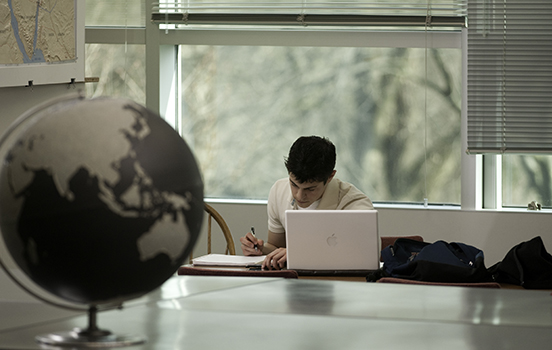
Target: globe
[(101, 200)]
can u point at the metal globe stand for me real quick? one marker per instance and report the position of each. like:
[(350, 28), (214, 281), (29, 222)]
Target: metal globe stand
[(91, 337)]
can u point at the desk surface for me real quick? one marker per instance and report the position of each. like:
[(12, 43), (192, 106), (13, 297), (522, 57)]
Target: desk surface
[(199, 312)]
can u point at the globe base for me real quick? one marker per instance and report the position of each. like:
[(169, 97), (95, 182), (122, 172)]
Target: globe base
[(80, 339), (92, 337)]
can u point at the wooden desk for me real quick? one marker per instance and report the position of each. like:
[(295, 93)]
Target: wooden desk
[(192, 312), (317, 277), (336, 278)]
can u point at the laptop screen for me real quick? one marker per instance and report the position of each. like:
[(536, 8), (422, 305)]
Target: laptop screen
[(332, 240)]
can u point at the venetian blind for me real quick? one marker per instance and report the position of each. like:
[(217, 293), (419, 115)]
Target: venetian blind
[(509, 76), (302, 13)]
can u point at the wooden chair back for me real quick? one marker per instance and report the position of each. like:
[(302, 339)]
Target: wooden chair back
[(212, 214)]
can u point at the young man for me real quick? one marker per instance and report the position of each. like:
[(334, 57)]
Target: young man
[(311, 185)]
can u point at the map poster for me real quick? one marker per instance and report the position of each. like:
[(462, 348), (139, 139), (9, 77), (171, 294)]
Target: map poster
[(40, 42)]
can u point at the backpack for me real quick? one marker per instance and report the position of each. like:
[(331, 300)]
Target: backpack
[(433, 262), (527, 264)]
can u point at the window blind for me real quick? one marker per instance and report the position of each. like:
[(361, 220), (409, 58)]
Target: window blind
[(509, 76), (302, 13)]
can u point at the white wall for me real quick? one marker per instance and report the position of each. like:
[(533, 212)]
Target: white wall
[(493, 232), (15, 101)]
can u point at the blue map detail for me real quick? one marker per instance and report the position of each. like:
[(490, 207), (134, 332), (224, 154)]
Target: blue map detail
[(38, 56)]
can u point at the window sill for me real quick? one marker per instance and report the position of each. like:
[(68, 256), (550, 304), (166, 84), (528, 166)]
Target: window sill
[(518, 210), (399, 206), (416, 206), (236, 201)]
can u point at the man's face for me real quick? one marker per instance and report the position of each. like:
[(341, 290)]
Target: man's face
[(306, 193)]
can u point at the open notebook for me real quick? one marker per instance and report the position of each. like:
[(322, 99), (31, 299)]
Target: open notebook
[(332, 241), (227, 260)]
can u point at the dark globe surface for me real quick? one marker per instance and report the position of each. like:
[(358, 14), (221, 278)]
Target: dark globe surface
[(100, 199)]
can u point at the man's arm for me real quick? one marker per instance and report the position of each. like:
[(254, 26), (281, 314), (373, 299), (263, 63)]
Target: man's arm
[(274, 241)]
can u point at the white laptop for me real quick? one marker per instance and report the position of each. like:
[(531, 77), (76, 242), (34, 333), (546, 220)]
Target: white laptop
[(330, 241)]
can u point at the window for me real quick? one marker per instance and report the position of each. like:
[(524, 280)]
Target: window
[(120, 69), (526, 178), (118, 13), (243, 106), (243, 95), (253, 80), (509, 110), (113, 55)]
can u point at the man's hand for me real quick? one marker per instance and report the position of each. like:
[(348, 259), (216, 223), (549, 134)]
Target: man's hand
[(249, 243), (276, 260)]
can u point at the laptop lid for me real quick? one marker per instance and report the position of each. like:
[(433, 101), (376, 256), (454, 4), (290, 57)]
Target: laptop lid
[(332, 240)]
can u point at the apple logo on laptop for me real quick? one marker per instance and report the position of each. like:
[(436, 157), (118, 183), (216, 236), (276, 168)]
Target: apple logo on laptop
[(332, 240)]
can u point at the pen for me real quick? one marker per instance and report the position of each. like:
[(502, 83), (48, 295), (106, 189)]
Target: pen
[(253, 233)]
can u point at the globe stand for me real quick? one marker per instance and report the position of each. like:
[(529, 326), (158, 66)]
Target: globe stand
[(92, 337)]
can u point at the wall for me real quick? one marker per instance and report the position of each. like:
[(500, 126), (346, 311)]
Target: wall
[(493, 232), (15, 101)]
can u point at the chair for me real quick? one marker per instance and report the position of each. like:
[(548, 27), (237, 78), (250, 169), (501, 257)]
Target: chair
[(195, 271), (406, 281), (390, 240), (213, 214)]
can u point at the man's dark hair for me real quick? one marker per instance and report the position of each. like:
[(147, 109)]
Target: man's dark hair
[(311, 159)]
